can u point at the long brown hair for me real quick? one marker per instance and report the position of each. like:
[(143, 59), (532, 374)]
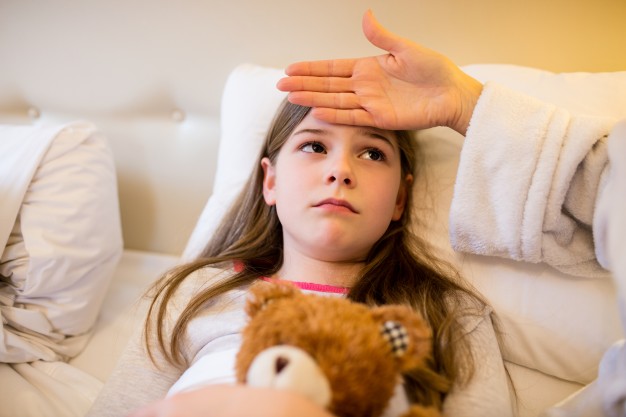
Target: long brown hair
[(398, 269)]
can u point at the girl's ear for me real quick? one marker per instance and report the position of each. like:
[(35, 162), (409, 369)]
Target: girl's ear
[(401, 199), (269, 181)]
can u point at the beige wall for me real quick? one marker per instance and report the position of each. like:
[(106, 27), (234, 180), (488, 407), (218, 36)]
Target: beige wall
[(557, 35), (190, 45)]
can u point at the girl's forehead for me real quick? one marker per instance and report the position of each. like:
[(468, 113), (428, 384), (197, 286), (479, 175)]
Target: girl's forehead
[(312, 125)]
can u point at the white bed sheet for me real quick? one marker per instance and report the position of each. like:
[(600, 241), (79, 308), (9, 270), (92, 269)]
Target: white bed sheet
[(122, 310)]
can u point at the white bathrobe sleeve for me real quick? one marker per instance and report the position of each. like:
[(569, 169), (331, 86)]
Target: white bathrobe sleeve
[(606, 396), (528, 180)]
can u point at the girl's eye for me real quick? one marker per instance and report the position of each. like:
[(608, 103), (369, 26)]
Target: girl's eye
[(313, 147), (374, 155)]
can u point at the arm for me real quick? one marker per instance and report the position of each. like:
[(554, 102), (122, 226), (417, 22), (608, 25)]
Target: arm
[(487, 394), (135, 381), (538, 205), (409, 87), (233, 401)]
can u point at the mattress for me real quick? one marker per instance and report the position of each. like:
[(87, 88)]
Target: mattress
[(122, 311)]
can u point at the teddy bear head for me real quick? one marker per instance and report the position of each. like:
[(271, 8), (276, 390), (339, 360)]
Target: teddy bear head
[(343, 355)]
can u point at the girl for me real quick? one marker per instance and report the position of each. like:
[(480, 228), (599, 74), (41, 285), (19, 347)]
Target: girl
[(327, 207)]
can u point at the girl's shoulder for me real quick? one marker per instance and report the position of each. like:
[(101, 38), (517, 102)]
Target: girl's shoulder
[(470, 311), (202, 279)]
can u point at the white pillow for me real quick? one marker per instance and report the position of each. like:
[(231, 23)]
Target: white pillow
[(552, 322), (249, 102), (64, 242)]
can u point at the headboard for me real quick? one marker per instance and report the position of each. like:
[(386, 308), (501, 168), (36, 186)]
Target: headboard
[(150, 74)]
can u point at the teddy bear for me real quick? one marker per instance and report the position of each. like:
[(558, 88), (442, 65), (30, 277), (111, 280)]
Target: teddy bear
[(344, 356)]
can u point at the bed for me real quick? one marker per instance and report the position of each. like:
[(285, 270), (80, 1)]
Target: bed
[(113, 172)]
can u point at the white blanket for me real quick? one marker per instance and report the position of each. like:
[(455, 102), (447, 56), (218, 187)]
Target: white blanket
[(21, 150), (31, 388), (60, 239)]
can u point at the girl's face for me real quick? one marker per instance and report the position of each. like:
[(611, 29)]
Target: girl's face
[(336, 189)]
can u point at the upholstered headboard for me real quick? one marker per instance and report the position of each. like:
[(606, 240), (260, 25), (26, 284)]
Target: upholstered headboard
[(150, 74)]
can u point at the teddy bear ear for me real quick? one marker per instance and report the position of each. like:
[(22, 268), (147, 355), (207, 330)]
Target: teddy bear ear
[(408, 335), (263, 292)]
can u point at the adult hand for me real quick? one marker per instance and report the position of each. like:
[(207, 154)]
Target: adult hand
[(233, 401), (409, 87)]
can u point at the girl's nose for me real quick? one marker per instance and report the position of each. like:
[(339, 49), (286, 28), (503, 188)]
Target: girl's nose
[(346, 180), (341, 171)]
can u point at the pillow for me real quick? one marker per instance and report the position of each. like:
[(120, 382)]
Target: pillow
[(62, 238), (551, 321), (249, 102)]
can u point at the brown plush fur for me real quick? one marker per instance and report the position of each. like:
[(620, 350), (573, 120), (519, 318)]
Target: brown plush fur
[(345, 340)]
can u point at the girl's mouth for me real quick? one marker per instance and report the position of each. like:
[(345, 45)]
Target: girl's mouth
[(336, 204)]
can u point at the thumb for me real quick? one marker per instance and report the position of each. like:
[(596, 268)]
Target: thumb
[(378, 35)]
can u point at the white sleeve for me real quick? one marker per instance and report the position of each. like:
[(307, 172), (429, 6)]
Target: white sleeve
[(216, 336), (210, 369), (488, 393), (136, 381), (528, 180)]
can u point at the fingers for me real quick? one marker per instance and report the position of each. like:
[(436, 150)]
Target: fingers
[(317, 84), (354, 117), (379, 36), (335, 101), (326, 68)]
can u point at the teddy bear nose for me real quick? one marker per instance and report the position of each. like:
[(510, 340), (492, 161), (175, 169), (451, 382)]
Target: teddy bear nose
[(289, 367), (280, 364)]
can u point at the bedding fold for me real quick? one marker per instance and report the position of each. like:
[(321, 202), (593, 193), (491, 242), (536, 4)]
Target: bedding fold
[(61, 238), (21, 150), (46, 389)]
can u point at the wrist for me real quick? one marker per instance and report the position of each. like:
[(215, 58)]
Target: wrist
[(469, 92)]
